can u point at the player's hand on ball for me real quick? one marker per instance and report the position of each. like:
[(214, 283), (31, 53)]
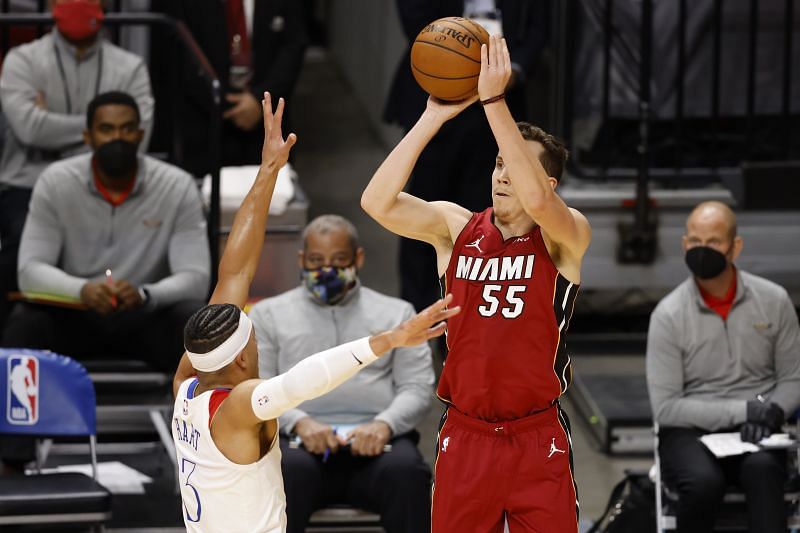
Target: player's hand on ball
[(316, 437), (442, 111), (495, 68), (369, 439), (276, 150), (427, 324)]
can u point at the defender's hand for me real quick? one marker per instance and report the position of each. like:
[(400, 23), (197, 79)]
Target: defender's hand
[(276, 150), (427, 324), (495, 68)]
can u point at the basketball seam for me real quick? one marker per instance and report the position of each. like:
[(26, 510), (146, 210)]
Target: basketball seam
[(449, 50), (440, 77), (469, 30)]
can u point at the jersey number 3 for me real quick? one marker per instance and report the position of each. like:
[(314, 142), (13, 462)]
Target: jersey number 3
[(187, 468), (512, 306)]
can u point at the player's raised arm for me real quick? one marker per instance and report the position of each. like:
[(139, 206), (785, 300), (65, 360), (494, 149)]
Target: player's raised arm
[(567, 227), (256, 400), (238, 264), (402, 213)]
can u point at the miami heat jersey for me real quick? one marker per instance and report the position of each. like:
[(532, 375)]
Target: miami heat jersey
[(507, 354), (217, 494)]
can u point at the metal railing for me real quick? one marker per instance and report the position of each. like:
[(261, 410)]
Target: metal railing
[(675, 143), (658, 115), (188, 45)]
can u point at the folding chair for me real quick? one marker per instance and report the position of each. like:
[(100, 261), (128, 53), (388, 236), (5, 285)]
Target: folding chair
[(665, 517), (46, 395)]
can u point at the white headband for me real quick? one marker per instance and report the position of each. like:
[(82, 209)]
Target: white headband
[(225, 352)]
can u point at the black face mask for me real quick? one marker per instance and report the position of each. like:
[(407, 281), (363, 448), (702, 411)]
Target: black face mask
[(117, 159), (705, 262)]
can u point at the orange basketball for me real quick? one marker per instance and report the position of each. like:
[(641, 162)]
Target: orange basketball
[(446, 57)]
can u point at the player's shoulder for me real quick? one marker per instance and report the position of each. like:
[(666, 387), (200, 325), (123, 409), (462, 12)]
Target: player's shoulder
[(452, 209), (579, 217), (455, 216)]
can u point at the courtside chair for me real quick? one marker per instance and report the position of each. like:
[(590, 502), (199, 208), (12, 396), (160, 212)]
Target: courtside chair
[(46, 395)]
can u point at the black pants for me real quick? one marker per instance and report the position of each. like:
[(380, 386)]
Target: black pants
[(395, 484), (457, 167), (701, 479), (151, 335), (13, 212)]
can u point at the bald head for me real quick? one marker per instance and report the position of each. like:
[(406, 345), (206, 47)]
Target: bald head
[(712, 216)]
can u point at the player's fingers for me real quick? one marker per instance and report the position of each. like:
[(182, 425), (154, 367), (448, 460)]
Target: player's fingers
[(435, 331), (497, 53), (266, 106), (276, 121), (506, 56), (484, 57), (290, 140), (447, 313)]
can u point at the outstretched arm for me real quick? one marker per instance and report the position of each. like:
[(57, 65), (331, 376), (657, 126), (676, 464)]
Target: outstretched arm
[(254, 401), (243, 249), (566, 227), (402, 213)]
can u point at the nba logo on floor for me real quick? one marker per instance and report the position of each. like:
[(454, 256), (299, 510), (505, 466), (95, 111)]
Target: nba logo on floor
[(23, 390)]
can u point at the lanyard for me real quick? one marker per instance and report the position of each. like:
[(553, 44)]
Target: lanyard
[(64, 75)]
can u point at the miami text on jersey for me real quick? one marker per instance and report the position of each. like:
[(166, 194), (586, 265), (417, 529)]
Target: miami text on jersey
[(495, 268)]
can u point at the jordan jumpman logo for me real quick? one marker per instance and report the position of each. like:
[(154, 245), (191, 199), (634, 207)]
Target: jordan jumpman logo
[(476, 244), (553, 448)]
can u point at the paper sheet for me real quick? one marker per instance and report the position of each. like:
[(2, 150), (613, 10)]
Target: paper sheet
[(117, 477), (730, 444)]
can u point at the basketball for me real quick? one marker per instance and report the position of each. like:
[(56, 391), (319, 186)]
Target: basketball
[(446, 57)]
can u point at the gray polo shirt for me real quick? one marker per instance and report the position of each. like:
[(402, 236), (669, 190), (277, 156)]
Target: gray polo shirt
[(702, 370), (37, 137), (156, 238), (396, 389)]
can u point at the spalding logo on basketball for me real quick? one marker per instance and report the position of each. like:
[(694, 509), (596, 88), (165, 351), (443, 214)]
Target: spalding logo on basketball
[(446, 57)]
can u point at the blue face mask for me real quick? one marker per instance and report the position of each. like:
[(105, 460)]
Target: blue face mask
[(328, 285)]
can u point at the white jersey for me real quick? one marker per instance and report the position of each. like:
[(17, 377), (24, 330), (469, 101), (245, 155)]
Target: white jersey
[(219, 495)]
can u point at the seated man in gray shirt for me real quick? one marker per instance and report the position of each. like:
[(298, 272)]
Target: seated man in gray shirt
[(45, 88), (343, 457), (123, 234), (723, 354)]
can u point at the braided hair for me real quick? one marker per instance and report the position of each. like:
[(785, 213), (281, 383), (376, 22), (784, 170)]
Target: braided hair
[(210, 326)]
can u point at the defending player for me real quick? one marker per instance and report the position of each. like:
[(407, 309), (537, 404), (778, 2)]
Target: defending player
[(514, 269), (225, 419)]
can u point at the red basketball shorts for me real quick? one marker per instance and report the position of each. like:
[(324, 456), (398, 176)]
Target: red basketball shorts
[(520, 471)]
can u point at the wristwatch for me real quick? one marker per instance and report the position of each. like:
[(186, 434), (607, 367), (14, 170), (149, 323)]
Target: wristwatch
[(144, 294)]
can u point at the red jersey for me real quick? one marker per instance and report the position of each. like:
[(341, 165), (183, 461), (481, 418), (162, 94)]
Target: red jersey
[(507, 353)]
